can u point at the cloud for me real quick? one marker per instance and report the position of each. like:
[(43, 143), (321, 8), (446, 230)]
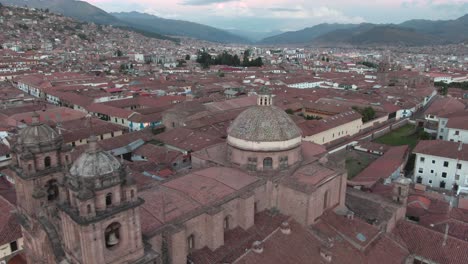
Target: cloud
[(284, 9), (206, 2)]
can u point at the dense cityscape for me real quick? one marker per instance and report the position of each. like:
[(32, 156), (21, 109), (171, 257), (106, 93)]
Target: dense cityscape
[(119, 144)]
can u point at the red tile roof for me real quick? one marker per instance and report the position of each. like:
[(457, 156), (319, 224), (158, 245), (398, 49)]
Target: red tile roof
[(10, 229)]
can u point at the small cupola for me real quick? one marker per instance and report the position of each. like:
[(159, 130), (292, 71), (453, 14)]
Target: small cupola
[(264, 97)]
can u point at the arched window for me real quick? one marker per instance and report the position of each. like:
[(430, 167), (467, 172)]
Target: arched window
[(132, 194), (399, 190), (191, 242), (47, 162), (52, 190), (88, 208), (112, 235), (325, 199), (30, 167), (109, 199), (67, 159), (268, 163)]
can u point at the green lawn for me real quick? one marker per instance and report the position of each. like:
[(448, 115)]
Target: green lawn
[(355, 165), (400, 137)]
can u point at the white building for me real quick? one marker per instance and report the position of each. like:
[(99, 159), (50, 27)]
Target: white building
[(441, 164)]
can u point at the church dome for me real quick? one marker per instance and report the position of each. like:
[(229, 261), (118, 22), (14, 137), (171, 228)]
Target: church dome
[(37, 133), (94, 163), (264, 128)]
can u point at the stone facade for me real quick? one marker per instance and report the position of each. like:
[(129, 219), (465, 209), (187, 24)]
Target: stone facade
[(99, 207), (75, 217)]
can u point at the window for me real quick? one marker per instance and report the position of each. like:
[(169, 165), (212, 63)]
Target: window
[(284, 162), (108, 199), (422, 159), (430, 181), (420, 170), (442, 184), (433, 161), (419, 179), (13, 246), (252, 164), (457, 177), (52, 190), (47, 162), (444, 175), (457, 133), (325, 199), (88, 208), (132, 194), (112, 235), (67, 159), (29, 167), (446, 163), (268, 163), (432, 171), (226, 223), (191, 242), (459, 166), (112, 134)]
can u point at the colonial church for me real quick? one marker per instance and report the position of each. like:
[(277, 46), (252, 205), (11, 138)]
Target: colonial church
[(90, 211)]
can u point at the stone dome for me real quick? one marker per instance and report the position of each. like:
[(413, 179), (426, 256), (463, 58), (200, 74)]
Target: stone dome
[(264, 128), (37, 133), (94, 163)]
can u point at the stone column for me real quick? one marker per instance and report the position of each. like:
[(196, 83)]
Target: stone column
[(246, 210), (178, 246), (215, 228)]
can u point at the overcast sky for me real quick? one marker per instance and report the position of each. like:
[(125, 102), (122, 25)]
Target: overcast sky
[(267, 15)]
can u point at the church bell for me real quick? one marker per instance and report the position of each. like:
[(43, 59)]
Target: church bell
[(113, 240)]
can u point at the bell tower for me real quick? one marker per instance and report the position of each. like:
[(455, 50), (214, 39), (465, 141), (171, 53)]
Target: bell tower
[(38, 166), (100, 216), (264, 97)]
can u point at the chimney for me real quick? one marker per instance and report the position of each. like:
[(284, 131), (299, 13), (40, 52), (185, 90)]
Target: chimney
[(350, 215), (325, 254), (257, 247), (285, 228)]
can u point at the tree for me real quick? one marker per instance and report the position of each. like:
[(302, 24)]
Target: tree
[(119, 53), (187, 57), (289, 111), (328, 59), (246, 60), (368, 113)]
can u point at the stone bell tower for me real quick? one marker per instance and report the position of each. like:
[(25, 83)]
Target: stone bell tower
[(39, 163), (100, 217)]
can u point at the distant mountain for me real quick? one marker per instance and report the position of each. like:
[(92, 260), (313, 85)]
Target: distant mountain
[(254, 36), (177, 27), (305, 35), (143, 23), (79, 10), (412, 33)]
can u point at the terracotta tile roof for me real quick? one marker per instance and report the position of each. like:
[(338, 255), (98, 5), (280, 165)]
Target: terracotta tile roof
[(312, 127), (429, 244), (187, 139), (183, 195), (444, 105), (10, 229), (110, 110), (441, 148), (383, 167), (157, 154)]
